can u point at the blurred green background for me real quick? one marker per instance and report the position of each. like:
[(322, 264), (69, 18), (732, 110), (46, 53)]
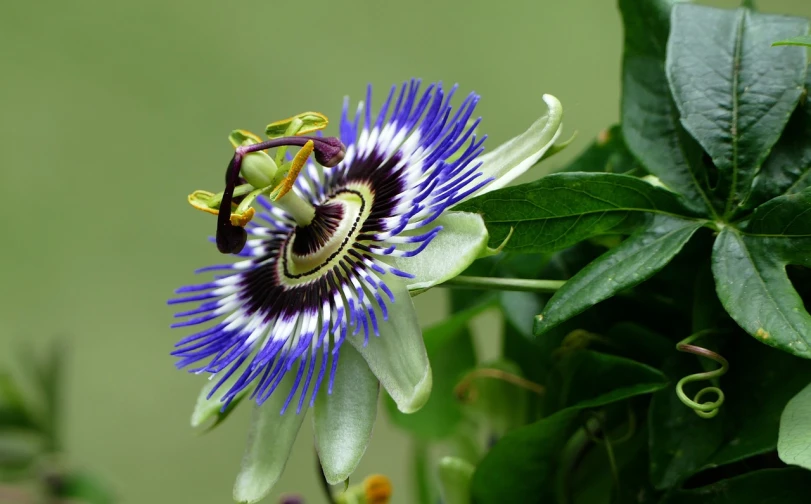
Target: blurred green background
[(112, 112)]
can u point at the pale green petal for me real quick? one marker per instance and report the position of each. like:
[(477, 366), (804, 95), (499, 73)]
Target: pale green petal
[(206, 408), (454, 477), (515, 156), (270, 440), (343, 420), (462, 240), (398, 357)]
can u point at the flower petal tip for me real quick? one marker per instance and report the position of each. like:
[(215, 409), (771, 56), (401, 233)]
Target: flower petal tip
[(419, 396)]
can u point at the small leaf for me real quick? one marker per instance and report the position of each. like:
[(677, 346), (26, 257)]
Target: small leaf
[(650, 123), (562, 209), (802, 40), (794, 441), (521, 467), (634, 261), (450, 350), (777, 486), (751, 281), (734, 91)]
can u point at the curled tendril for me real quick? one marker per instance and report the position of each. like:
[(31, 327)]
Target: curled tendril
[(702, 409), (466, 392)]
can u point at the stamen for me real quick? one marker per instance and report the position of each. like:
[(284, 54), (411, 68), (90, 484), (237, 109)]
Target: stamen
[(231, 239)]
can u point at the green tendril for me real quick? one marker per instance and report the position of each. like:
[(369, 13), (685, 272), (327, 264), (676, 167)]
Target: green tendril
[(703, 409)]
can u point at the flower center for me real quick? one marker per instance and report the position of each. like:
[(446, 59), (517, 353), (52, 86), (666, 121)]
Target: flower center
[(313, 249)]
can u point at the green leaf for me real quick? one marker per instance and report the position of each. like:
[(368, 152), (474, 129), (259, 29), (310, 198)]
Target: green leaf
[(759, 384), (581, 380), (802, 40), (794, 441), (752, 284), (650, 122), (788, 167), (680, 441), (450, 350), (788, 215), (521, 467), (640, 256), (562, 209), (734, 91), (767, 486), (607, 153)]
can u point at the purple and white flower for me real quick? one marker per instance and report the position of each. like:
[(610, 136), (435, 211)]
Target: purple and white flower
[(317, 311)]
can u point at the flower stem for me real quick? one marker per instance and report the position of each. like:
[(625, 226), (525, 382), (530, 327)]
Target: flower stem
[(507, 284)]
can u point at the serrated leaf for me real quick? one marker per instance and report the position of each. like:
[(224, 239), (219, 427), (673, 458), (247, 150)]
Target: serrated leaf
[(788, 167), (562, 209), (752, 284), (634, 261), (767, 486), (521, 467), (450, 350), (650, 122), (734, 91), (794, 441)]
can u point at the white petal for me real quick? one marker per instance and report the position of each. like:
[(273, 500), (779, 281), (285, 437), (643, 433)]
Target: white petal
[(343, 420), (462, 240), (515, 156), (270, 440), (398, 357)]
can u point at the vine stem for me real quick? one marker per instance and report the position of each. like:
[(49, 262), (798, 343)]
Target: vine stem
[(702, 409), (464, 390), (508, 284)]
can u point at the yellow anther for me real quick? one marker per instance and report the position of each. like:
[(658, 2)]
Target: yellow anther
[(378, 489), (298, 163), (242, 219), (201, 201)]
